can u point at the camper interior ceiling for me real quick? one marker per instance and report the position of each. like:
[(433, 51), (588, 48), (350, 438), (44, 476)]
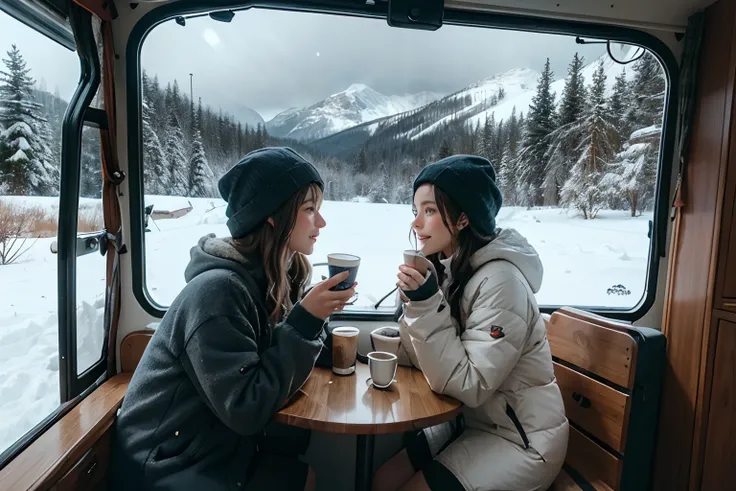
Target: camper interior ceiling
[(590, 148)]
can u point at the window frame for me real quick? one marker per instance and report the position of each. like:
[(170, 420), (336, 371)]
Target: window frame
[(73, 386), (658, 234)]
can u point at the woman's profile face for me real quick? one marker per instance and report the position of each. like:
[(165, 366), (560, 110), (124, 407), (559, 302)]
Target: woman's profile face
[(432, 235), (308, 223)]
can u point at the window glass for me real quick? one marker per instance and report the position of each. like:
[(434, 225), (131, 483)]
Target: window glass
[(90, 267), (37, 79), (574, 137)]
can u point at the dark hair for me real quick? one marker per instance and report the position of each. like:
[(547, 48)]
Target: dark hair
[(468, 242), (286, 275)]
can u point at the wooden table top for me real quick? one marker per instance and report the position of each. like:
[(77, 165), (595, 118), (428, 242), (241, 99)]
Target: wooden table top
[(348, 404)]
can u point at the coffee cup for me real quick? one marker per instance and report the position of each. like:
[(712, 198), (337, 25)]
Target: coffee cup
[(417, 260), (383, 367), (386, 339), (344, 349), (339, 262)]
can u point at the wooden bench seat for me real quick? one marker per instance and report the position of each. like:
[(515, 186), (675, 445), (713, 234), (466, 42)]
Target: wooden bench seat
[(595, 361)]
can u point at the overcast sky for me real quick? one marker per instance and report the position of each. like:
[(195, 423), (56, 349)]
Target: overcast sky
[(270, 60)]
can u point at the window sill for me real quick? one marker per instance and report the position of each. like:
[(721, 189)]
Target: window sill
[(46, 460)]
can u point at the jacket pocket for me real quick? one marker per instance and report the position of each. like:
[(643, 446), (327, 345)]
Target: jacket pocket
[(517, 424), (176, 451)]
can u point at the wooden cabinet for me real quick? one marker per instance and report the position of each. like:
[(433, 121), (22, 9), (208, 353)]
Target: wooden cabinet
[(89, 473), (720, 441), (725, 291)]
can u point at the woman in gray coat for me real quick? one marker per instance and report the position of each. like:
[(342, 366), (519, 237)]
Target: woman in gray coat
[(235, 345), (472, 325)]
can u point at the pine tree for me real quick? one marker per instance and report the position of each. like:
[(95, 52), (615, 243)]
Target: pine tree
[(444, 151), (26, 159), (361, 162), (540, 122), (513, 133), (562, 142), (572, 104), (507, 177), (618, 105), (582, 190), (200, 173), (633, 174), (156, 178), (175, 159)]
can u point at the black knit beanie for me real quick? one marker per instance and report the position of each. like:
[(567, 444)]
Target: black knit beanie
[(260, 183), (471, 182)]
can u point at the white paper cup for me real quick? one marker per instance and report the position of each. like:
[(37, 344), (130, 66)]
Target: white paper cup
[(383, 367)]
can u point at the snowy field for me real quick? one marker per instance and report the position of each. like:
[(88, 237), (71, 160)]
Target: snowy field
[(582, 260)]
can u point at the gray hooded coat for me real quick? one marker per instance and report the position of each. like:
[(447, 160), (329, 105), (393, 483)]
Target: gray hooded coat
[(211, 378)]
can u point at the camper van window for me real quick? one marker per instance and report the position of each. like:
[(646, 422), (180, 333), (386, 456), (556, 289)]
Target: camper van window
[(37, 79), (91, 266), (574, 137)]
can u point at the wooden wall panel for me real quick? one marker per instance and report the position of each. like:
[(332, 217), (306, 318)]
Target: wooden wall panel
[(693, 257)]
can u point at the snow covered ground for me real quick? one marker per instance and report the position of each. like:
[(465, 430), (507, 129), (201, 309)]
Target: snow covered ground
[(582, 260)]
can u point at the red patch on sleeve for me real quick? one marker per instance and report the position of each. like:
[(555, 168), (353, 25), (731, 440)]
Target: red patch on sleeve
[(497, 332)]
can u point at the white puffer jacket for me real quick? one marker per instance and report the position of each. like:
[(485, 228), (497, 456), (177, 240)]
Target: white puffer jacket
[(503, 357)]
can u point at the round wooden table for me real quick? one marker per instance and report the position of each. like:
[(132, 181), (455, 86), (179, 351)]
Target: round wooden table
[(347, 404)]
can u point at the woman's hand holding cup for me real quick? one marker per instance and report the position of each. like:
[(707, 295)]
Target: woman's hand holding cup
[(409, 278), (321, 302)]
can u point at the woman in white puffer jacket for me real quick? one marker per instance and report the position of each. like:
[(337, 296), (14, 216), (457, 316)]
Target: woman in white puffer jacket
[(472, 325)]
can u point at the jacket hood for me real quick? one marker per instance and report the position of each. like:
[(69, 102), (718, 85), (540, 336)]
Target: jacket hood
[(219, 253), (510, 246)]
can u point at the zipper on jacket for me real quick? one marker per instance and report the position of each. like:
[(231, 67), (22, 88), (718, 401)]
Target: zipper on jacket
[(512, 415)]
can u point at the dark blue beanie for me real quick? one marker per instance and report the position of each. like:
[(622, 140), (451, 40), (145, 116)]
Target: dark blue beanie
[(257, 186), (471, 182)]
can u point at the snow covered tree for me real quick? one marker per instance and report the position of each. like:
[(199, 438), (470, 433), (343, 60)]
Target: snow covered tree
[(619, 104), (26, 159), (506, 177), (572, 104), (176, 160), (633, 174), (155, 173), (540, 122), (648, 90), (90, 181), (563, 141), (513, 131), (583, 190), (379, 186), (200, 173), (485, 142)]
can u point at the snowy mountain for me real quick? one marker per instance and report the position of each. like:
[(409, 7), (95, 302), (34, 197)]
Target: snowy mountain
[(495, 96), (354, 106)]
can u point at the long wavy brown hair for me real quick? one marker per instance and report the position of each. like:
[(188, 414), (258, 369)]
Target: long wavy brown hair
[(287, 272), (466, 242)]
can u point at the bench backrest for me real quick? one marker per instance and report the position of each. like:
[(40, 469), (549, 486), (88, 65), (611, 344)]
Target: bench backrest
[(610, 375), (132, 348)]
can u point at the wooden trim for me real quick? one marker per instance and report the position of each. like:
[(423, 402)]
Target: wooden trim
[(608, 353), (718, 468), (690, 294), (48, 458), (606, 418), (132, 348), (601, 469)]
